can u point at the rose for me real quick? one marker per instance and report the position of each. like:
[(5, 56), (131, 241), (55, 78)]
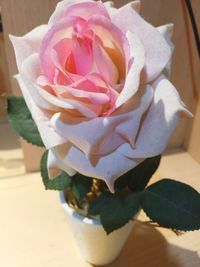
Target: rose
[(93, 81)]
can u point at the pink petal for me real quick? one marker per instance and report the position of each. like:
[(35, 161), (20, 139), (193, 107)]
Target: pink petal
[(63, 29), (94, 98), (82, 53), (86, 109), (80, 8), (63, 49), (62, 76), (104, 87), (160, 122), (157, 50), (87, 9), (85, 85), (66, 92), (111, 36), (98, 80), (104, 64), (28, 44)]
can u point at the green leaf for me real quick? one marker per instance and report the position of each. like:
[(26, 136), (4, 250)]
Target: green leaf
[(123, 181), (81, 185), (114, 210), (21, 120), (142, 173), (173, 205), (99, 203), (61, 182), (138, 177)]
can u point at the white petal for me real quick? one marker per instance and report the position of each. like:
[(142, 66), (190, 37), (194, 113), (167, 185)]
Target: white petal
[(136, 5), (133, 77), (167, 32), (110, 7), (112, 10), (41, 118), (157, 50), (88, 110), (160, 122), (28, 44), (128, 129), (29, 72), (103, 135), (107, 168), (56, 165)]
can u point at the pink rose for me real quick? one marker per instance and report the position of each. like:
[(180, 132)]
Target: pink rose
[(93, 81)]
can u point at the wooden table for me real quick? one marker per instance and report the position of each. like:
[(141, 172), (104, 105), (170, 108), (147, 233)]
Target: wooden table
[(34, 231)]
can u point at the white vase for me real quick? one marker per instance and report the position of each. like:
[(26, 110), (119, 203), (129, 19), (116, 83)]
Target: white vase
[(95, 245)]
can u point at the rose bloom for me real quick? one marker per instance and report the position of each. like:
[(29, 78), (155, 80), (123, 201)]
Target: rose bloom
[(93, 79)]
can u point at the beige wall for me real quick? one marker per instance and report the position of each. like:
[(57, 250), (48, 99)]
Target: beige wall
[(4, 77)]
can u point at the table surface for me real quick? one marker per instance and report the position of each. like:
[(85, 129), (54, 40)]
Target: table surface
[(34, 230)]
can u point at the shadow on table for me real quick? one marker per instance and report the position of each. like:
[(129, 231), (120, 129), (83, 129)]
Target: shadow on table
[(146, 247)]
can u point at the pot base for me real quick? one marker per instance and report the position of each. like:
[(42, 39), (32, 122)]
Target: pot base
[(95, 245)]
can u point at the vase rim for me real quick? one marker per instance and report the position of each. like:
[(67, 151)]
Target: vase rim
[(75, 214)]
